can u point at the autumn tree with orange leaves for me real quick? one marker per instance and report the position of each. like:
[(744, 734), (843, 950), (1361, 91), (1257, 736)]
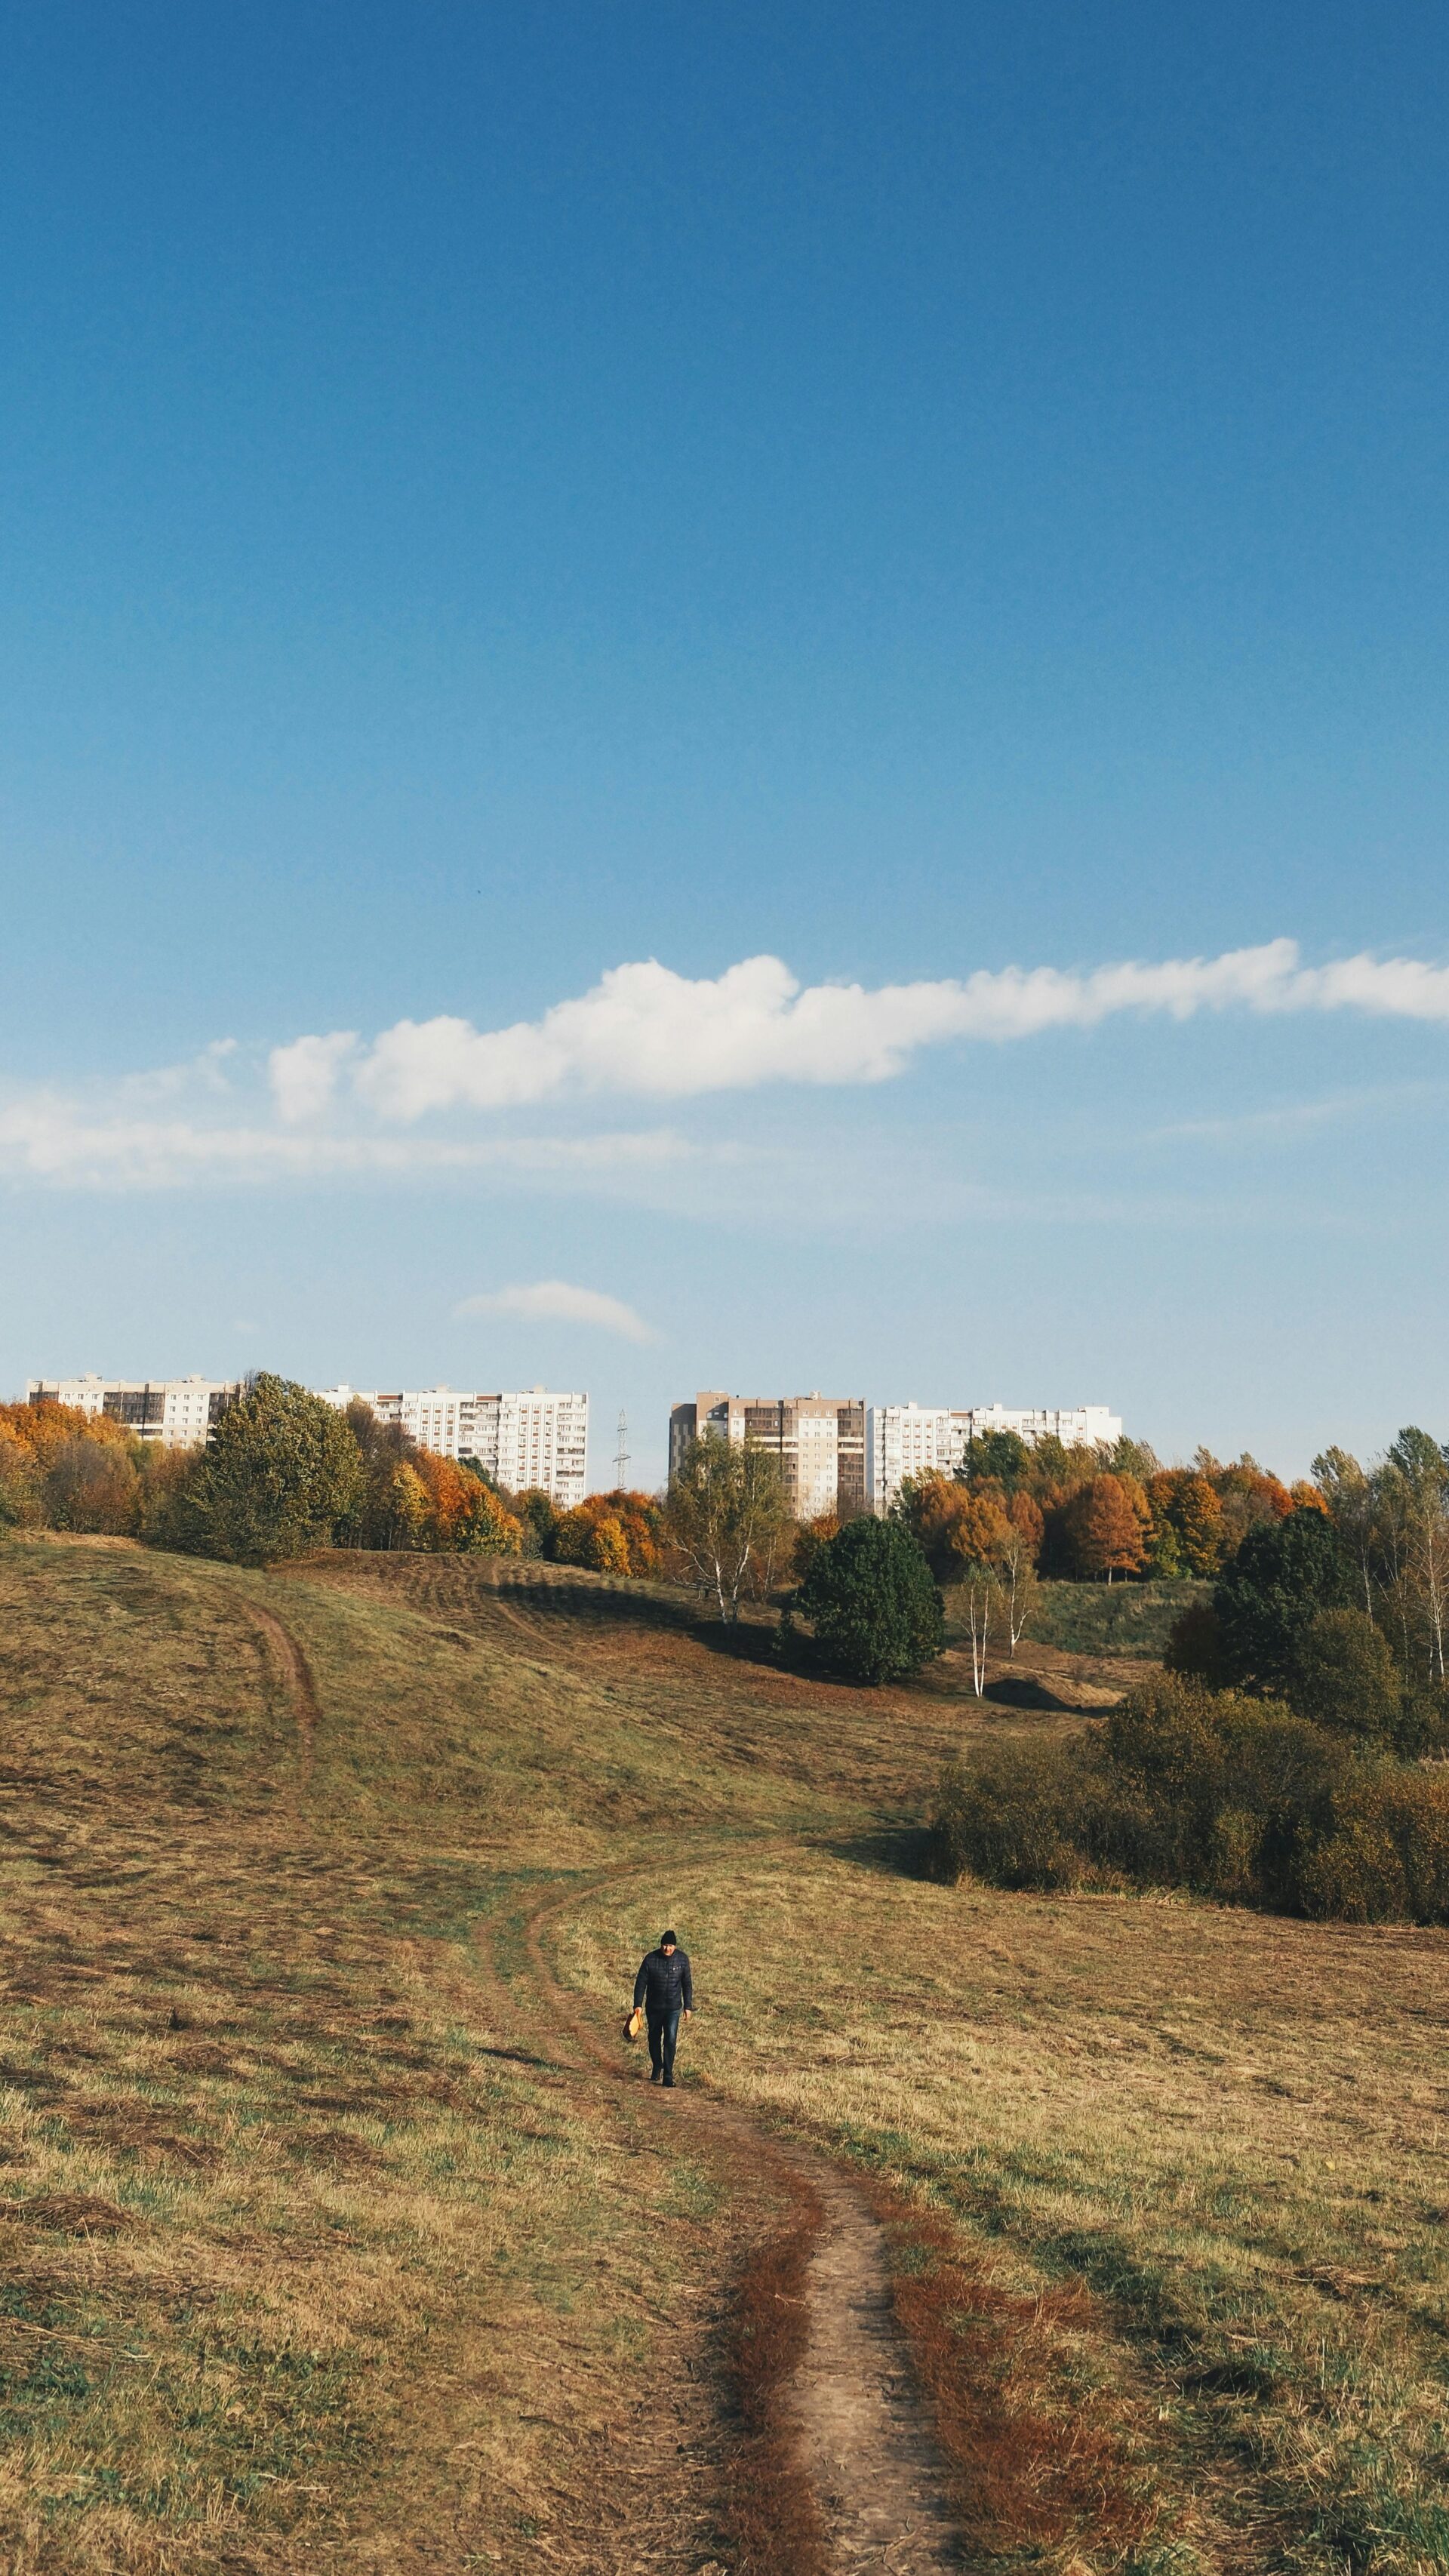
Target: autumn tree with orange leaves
[(1108, 1531), (614, 1533)]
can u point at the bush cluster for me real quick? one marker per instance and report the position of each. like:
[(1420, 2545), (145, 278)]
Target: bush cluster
[(616, 1533), (1234, 1796)]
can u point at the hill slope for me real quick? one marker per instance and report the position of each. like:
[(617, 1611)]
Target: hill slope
[(330, 2244)]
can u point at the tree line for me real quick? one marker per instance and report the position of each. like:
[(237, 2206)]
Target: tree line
[(284, 1473), (1094, 1514)]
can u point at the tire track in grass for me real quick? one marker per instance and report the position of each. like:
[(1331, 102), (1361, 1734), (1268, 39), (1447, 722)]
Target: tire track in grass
[(295, 1673)]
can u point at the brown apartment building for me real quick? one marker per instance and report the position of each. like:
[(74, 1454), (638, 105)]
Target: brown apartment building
[(819, 1440)]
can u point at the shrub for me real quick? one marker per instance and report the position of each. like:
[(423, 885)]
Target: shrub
[(1180, 1787), (1007, 1821), (1232, 1782), (872, 1601), (163, 1477), (1345, 1676), (1385, 1858), (88, 1485), (1195, 1645), (1046, 1816), (1422, 1724), (20, 1504)]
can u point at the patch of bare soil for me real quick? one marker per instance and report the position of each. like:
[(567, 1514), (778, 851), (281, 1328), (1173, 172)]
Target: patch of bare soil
[(865, 2432)]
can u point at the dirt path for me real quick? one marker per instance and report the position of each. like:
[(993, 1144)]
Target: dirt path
[(862, 2430), (865, 2437)]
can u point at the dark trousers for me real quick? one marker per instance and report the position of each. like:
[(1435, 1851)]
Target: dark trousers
[(663, 2040)]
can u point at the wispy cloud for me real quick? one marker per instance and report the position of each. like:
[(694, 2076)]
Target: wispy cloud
[(555, 1301), (642, 1029), (1286, 1120), (48, 1136)]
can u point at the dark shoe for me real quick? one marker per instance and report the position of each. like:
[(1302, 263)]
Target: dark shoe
[(669, 2080), (656, 2079)]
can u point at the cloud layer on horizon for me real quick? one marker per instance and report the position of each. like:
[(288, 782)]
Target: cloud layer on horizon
[(335, 1106)]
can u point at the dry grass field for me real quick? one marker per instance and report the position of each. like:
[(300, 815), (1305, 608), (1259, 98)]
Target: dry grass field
[(1184, 2173), (325, 2247)]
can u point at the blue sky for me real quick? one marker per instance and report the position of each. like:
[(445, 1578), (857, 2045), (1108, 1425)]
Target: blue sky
[(491, 497)]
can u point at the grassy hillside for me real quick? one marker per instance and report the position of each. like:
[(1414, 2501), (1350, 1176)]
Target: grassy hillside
[(1118, 1619), (309, 2240), (324, 2249)]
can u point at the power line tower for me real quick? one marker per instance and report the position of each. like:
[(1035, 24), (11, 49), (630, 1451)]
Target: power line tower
[(621, 1454)]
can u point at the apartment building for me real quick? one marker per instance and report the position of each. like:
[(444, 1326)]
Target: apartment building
[(536, 1438), (819, 1441), (178, 1412), (910, 1440), (1077, 1426), (531, 1437), (917, 1439)]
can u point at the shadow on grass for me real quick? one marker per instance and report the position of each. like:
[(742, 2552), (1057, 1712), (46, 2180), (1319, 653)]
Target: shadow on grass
[(571, 1594), (755, 1638), (1026, 1690), (885, 1851)]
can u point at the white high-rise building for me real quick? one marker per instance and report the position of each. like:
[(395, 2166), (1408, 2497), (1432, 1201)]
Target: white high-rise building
[(178, 1412), (534, 1437), (910, 1440), (917, 1439), (1077, 1426)]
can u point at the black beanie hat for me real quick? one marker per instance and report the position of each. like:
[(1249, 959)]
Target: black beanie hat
[(668, 1941)]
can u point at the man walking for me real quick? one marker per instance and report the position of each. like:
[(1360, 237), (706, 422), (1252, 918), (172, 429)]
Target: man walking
[(665, 1988)]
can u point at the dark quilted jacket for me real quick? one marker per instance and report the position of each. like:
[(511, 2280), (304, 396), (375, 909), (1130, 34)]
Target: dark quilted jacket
[(664, 1986)]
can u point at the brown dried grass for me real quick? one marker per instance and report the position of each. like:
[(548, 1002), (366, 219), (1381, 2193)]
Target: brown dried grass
[(774, 2519), (1038, 2464)]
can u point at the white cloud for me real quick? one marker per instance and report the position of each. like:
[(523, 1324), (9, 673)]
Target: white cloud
[(333, 1104), (303, 1075), (644, 1029), (554, 1301)]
